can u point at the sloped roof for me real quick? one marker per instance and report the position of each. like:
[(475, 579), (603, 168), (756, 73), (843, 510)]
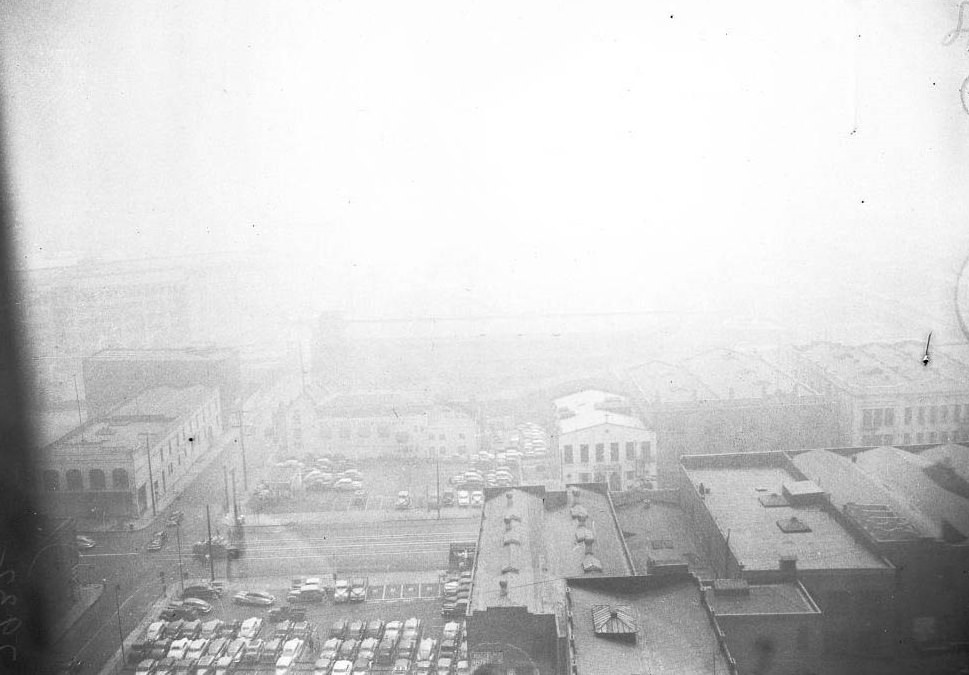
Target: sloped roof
[(613, 619)]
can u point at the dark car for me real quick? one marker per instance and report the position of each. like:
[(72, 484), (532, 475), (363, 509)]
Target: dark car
[(203, 591)]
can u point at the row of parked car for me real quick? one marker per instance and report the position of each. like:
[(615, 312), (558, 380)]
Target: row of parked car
[(398, 647)]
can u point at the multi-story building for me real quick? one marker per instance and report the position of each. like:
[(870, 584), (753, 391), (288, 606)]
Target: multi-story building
[(725, 401), (375, 424), (893, 499), (883, 394), (759, 519), (133, 457), (115, 375), (597, 440)]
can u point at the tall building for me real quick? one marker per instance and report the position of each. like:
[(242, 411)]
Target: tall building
[(725, 401), (883, 394)]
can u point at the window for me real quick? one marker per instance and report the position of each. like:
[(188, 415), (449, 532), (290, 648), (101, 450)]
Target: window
[(889, 417), (933, 414), (630, 451), (877, 418), (600, 452), (943, 413), (920, 437), (957, 413), (584, 478), (908, 439), (908, 416), (567, 454), (161, 452), (944, 437), (74, 481), (933, 437), (461, 437), (888, 439), (119, 479), (866, 419), (584, 454), (52, 480), (965, 411), (922, 415), (630, 475), (613, 452), (647, 448), (96, 478)]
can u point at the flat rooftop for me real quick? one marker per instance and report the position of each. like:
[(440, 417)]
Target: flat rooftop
[(673, 631), (716, 375), (587, 399), (661, 532), (536, 538), (887, 367), (780, 598), (202, 354), (745, 496)]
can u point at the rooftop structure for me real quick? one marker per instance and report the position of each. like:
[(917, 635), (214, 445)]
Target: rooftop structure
[(594, 418), (883, 514), (764, 511), (908, 475), (647, 625), (728, 597), (588, 400)]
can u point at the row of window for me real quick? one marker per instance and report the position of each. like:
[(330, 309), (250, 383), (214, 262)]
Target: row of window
[(75, 482), (364, 431), (874, 418), (957, 436), (568, 453)]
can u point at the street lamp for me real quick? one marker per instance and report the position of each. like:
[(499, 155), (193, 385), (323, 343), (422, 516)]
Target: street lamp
[(151, 478), (117, 604)]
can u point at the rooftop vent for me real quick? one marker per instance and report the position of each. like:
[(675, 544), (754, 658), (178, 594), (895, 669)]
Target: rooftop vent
[(614, 621), (773, 500), (579, 512), (788, 564), (591, 564), (510, 497), (512, 515), (583, 533), (793, 525), (503, 587), (511, 538), (803, 492)]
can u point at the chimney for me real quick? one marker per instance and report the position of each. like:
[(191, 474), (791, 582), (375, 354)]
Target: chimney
[(503, 585), (507, 524), (788, 566), (588, 547), (510, 497)]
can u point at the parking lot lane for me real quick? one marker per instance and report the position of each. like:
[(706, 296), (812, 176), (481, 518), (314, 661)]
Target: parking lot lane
[(375, 593), (410, 591), (430, 590), (392, 592)]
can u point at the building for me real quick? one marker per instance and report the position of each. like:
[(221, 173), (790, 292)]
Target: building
[(882, 394), (761, 520), (597, 440), (105, 468), (115, 375), (912, 522), (374, 424), (530, 540), (725, 401), (646, 624)]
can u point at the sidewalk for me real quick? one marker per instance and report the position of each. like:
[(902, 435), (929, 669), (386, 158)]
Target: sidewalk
[(359, 516), (88, 595)]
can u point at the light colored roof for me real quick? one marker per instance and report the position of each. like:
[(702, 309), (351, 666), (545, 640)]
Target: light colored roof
[(673, 632), (202, 354), (756, 539), (848, 483), (587, 399), (905, 474), (779, 598), (595, 418), (887, 368)]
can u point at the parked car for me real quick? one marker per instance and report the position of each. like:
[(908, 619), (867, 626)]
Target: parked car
[(477, 498), (374, 629), (254, 598), (204, 591), (464, 498), (198, 604), (250, 627), (339, 629), (342, 667), (84, 542), (403, 500), (174, 519), (447, 498), (344, 485), (178, 648), (358, 589), (156, 631)]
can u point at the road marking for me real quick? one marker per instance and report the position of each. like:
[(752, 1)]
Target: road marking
[(430, 590), (391, 591)]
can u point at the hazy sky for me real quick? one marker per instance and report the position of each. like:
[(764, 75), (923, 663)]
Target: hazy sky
[(478, 157)]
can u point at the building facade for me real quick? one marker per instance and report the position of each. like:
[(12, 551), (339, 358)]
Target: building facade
[(133, 458), (882, 394), (725, 401), (597, 440)]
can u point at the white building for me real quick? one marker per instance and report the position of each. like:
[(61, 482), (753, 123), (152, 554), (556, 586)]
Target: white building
[(595, 443)]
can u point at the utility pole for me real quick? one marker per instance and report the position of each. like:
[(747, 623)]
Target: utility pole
[(77, 398), (151, 478), (438, 489), (225, 478), (235, 503), (178, 543), (208, 521), (242, 442), (117, 604)]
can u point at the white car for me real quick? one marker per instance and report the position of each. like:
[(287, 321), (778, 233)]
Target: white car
[(464, 498), (196, 648), (477, 498), (250, 628), (178, 648), (342, 667), (84, 542)]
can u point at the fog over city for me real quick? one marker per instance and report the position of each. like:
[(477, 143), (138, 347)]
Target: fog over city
[(574, 337)]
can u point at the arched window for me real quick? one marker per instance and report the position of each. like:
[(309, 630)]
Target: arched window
[(96, 478), (74, 480), (52, 480), (119, 479)]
